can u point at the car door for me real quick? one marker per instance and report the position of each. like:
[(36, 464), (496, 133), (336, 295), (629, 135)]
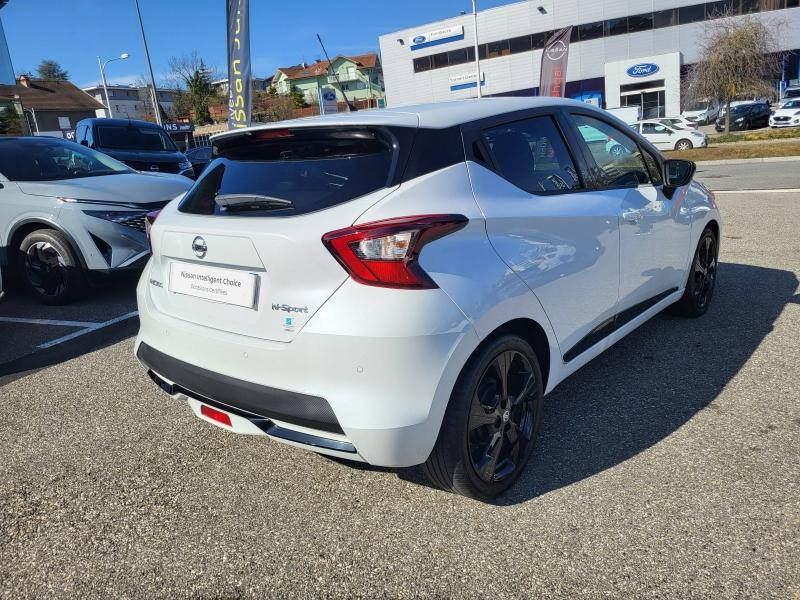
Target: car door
[(654, 231), (560, 237), (658, 134)]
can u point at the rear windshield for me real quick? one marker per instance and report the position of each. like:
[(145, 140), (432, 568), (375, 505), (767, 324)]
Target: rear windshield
[(792, 93), (282, 172), (131, 137)]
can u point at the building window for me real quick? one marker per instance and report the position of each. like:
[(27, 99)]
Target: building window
[(423, 63), (590, 31), (520, 44), (751, 6), (640, 23), (538, 40), (691, 14), (616, 26), (439, 60), (457, 57), (665, 18), (495, 49), (715, 10)]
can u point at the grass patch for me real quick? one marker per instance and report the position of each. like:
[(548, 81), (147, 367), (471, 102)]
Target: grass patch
[(758, 136), (738, 151)]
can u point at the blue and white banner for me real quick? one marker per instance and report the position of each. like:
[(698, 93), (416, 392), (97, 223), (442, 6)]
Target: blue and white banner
[(240, 79), (434, 38), (465, 81)]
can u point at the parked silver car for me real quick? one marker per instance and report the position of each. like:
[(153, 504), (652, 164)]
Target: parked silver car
[(67, 211)]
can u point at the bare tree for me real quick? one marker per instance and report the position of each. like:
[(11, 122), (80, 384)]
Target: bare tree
[(738, 58), (193, 78)]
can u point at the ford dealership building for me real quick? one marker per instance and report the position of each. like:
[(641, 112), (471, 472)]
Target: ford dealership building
[(622, 52)]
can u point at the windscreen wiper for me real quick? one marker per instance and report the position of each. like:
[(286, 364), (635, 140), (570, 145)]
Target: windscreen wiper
[(237, 202)]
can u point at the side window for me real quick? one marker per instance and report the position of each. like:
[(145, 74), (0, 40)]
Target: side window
[(617, 156), (652, 166), (89, 137), (532, 155), (654, 128)]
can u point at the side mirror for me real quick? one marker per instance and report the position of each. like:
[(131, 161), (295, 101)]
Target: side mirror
[(678, 172)]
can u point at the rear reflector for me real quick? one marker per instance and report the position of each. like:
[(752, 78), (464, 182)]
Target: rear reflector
[(384, 253), (215, 415)]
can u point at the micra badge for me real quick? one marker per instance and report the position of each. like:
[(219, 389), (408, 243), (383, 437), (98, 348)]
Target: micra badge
[(156, 283)]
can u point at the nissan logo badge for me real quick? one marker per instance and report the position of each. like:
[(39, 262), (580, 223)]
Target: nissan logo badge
[(154, 167), (199, 247)]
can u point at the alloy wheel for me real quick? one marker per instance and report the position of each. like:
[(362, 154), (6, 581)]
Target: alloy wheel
[(705, 271), (502, 417), (45, 269)]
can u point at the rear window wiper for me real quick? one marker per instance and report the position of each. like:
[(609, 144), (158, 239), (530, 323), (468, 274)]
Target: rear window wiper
[(237, 202)]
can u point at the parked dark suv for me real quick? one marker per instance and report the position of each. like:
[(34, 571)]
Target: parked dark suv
[(745, 116), (141, 145)]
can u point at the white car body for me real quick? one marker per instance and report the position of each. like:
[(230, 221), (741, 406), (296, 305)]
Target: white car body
[(327, 363), (666, 137), (786, 116), (100, 218), (707, 113)]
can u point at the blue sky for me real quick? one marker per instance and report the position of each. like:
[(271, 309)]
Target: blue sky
[(74, 32)]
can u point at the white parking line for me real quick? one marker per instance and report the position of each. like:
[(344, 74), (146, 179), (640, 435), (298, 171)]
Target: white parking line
[(88, 329), (48, 322), (774, 191)]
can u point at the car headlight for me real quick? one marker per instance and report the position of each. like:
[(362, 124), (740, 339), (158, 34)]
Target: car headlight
[(184, 165), (739, 120)]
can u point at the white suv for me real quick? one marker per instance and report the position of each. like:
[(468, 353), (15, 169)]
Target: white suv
[(403, 286)]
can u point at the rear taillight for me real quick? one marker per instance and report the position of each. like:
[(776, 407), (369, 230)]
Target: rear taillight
[(384, 253), (149, 219)]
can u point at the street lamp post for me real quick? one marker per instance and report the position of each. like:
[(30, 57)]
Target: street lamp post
[(102, 66), (477, 58)]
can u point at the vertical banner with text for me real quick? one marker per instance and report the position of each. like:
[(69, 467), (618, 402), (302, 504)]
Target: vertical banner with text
[(240, 84), (553, 75)]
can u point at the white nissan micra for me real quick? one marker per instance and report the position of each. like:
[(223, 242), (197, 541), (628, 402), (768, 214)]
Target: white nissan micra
[(403, 286)]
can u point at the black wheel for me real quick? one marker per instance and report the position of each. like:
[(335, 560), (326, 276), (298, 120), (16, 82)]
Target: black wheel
[(50, 268), (491, 422), (702, 279), (683, 145)]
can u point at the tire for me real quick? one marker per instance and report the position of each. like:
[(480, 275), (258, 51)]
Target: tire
[(745, 125), (487, 436), (702, 279), (683, 145), (50, 267)]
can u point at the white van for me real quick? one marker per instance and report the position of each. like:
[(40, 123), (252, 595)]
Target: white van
[(702, 112)]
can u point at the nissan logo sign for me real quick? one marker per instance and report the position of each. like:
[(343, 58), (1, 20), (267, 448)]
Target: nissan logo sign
[(199, 247), (556, 50), (642, 70), (418, 40), (154, 167)]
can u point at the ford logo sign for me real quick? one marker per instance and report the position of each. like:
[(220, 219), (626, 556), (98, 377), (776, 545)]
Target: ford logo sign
[(642, 70), (418, 40)]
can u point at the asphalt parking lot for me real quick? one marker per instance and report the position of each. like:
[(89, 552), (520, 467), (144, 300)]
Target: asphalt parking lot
[(667, 467)]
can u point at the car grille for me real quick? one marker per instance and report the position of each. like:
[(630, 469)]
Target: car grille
[(781, 118), (147, 166), (135, 221)]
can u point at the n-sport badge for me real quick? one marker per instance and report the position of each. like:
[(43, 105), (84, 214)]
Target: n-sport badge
[(199, 247)]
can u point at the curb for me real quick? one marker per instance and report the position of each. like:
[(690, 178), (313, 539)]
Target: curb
[(744, 161)]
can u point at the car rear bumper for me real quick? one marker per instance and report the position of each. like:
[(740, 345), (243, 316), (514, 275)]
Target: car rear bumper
[(376, 396)]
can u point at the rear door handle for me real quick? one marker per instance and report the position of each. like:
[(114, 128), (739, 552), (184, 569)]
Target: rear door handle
[(634, 217)]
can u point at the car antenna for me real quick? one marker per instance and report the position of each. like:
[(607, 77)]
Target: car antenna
[(350, 107)]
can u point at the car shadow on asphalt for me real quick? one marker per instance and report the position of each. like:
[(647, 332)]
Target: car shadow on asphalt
[(650, 383)]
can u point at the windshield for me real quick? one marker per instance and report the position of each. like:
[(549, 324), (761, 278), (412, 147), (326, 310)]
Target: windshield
[(742, 108), (48, 159), (792, 93), (792, 104), (133, 137)]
